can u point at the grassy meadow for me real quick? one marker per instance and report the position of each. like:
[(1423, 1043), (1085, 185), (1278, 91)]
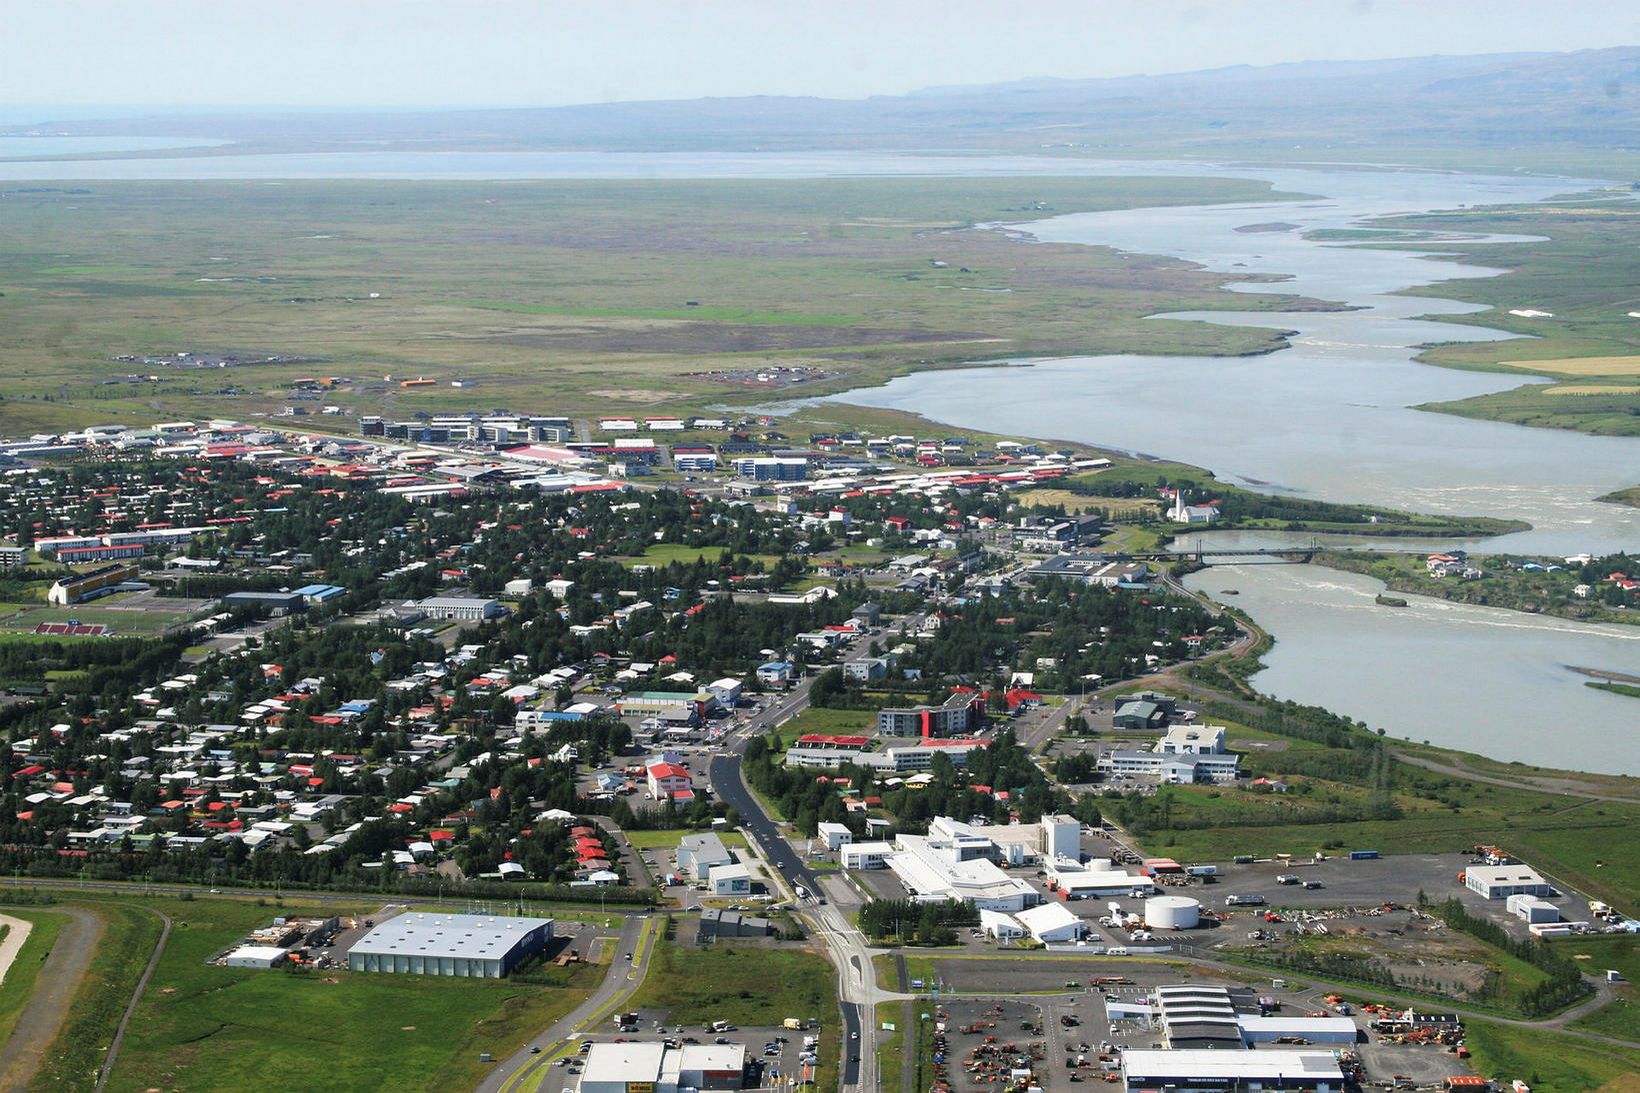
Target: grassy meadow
[(569, 296)]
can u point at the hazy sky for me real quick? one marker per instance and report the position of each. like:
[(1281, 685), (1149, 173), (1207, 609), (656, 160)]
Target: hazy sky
[(545, 52)]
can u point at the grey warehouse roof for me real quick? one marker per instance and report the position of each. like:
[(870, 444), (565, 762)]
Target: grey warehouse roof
[(476, 937)]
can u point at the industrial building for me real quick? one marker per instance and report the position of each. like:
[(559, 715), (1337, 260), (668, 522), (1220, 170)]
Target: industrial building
[(1210, 1071), (656, 1068), (1050, 923), (256, 956), (465, 946), (1503, 881)]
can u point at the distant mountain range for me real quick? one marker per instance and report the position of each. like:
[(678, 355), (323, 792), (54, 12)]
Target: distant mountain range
[(1583, 100)]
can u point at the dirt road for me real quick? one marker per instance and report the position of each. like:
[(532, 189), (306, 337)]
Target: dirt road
[(15, 936), (65, 966)]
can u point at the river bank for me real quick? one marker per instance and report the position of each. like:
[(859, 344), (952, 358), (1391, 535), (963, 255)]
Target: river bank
[(1331, 420), (1534, 586)]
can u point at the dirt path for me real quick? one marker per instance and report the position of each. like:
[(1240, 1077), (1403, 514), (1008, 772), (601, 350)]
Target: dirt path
[(136, 996), (13, 944), (65, 966)]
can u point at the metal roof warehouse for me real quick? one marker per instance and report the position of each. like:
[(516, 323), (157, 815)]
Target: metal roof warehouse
[(471, 946)]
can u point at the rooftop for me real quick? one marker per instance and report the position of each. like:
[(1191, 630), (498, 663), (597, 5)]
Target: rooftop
[(472, 936)]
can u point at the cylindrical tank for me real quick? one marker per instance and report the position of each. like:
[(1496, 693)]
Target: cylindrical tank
[(1172, 913)]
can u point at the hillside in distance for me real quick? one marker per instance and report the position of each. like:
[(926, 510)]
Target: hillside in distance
[(1532, 103)]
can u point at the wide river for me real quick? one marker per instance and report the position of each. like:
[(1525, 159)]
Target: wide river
[(1331, 418), (1328, 418)]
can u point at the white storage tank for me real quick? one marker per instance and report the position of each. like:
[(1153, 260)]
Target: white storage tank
[(1172, 913)]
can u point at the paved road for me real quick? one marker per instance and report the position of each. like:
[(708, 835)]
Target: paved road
[(54, 989), (528, 1066)]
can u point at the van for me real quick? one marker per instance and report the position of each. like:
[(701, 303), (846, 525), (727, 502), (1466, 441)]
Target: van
[(1116, 950), (1243, 901)]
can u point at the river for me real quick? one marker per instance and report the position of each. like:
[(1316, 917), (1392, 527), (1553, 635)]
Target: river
[(1328, 418), (1331, 418)]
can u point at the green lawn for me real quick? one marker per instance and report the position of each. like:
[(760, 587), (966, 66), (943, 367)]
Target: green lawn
[(670, 837), (890, 1046), (662, 554), (741, 985), (1547, 1061), (25, 970), (205, 1028), (836, 722)]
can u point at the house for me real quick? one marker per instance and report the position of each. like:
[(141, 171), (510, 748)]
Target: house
[(776, 673), (667, 780)]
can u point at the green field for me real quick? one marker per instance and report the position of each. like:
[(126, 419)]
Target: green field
[(575, 295), (668, 838), (1574, 277), (663, 554), (751, 986), (203, 1027), (839, 722), (1547, 1061)]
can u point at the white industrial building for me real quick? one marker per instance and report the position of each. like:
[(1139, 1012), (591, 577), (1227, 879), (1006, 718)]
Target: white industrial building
[(1099, 878), (934, 870), (868, 855), (656, 1068), (467, 946), (256, 956), (1051, 923), (1317, 1030), (1532, 909), (835, 836), (1212, 1071), (1061, 837), (1001, 926), (1503, 881)]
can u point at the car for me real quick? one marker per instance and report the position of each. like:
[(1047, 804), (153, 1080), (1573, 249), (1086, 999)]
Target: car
[(690, 1040), (535, 1049), (854, 1036), (721, 1040)]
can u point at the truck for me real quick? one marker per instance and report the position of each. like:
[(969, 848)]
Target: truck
[(792, 1023), (1243, 901), (1203, 870), (1287, 878)]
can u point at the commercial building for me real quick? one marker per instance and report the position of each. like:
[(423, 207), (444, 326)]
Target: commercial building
[(464, 608), (733, 879), (1532, 909), (276, 604), (1184, 755), (13, 557), (465, 946), (699, 854), (1503, 881), (656, 1068), (1212, 1071), (764, 469), (835, 836), (667, 780)]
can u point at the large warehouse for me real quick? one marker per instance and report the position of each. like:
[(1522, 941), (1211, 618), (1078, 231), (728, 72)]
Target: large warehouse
[(1503, 881), (467, 946), (656, 1068), (1203, 1070)]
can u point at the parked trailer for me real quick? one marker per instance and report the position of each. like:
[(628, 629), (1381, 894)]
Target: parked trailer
[(1363, 855)]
